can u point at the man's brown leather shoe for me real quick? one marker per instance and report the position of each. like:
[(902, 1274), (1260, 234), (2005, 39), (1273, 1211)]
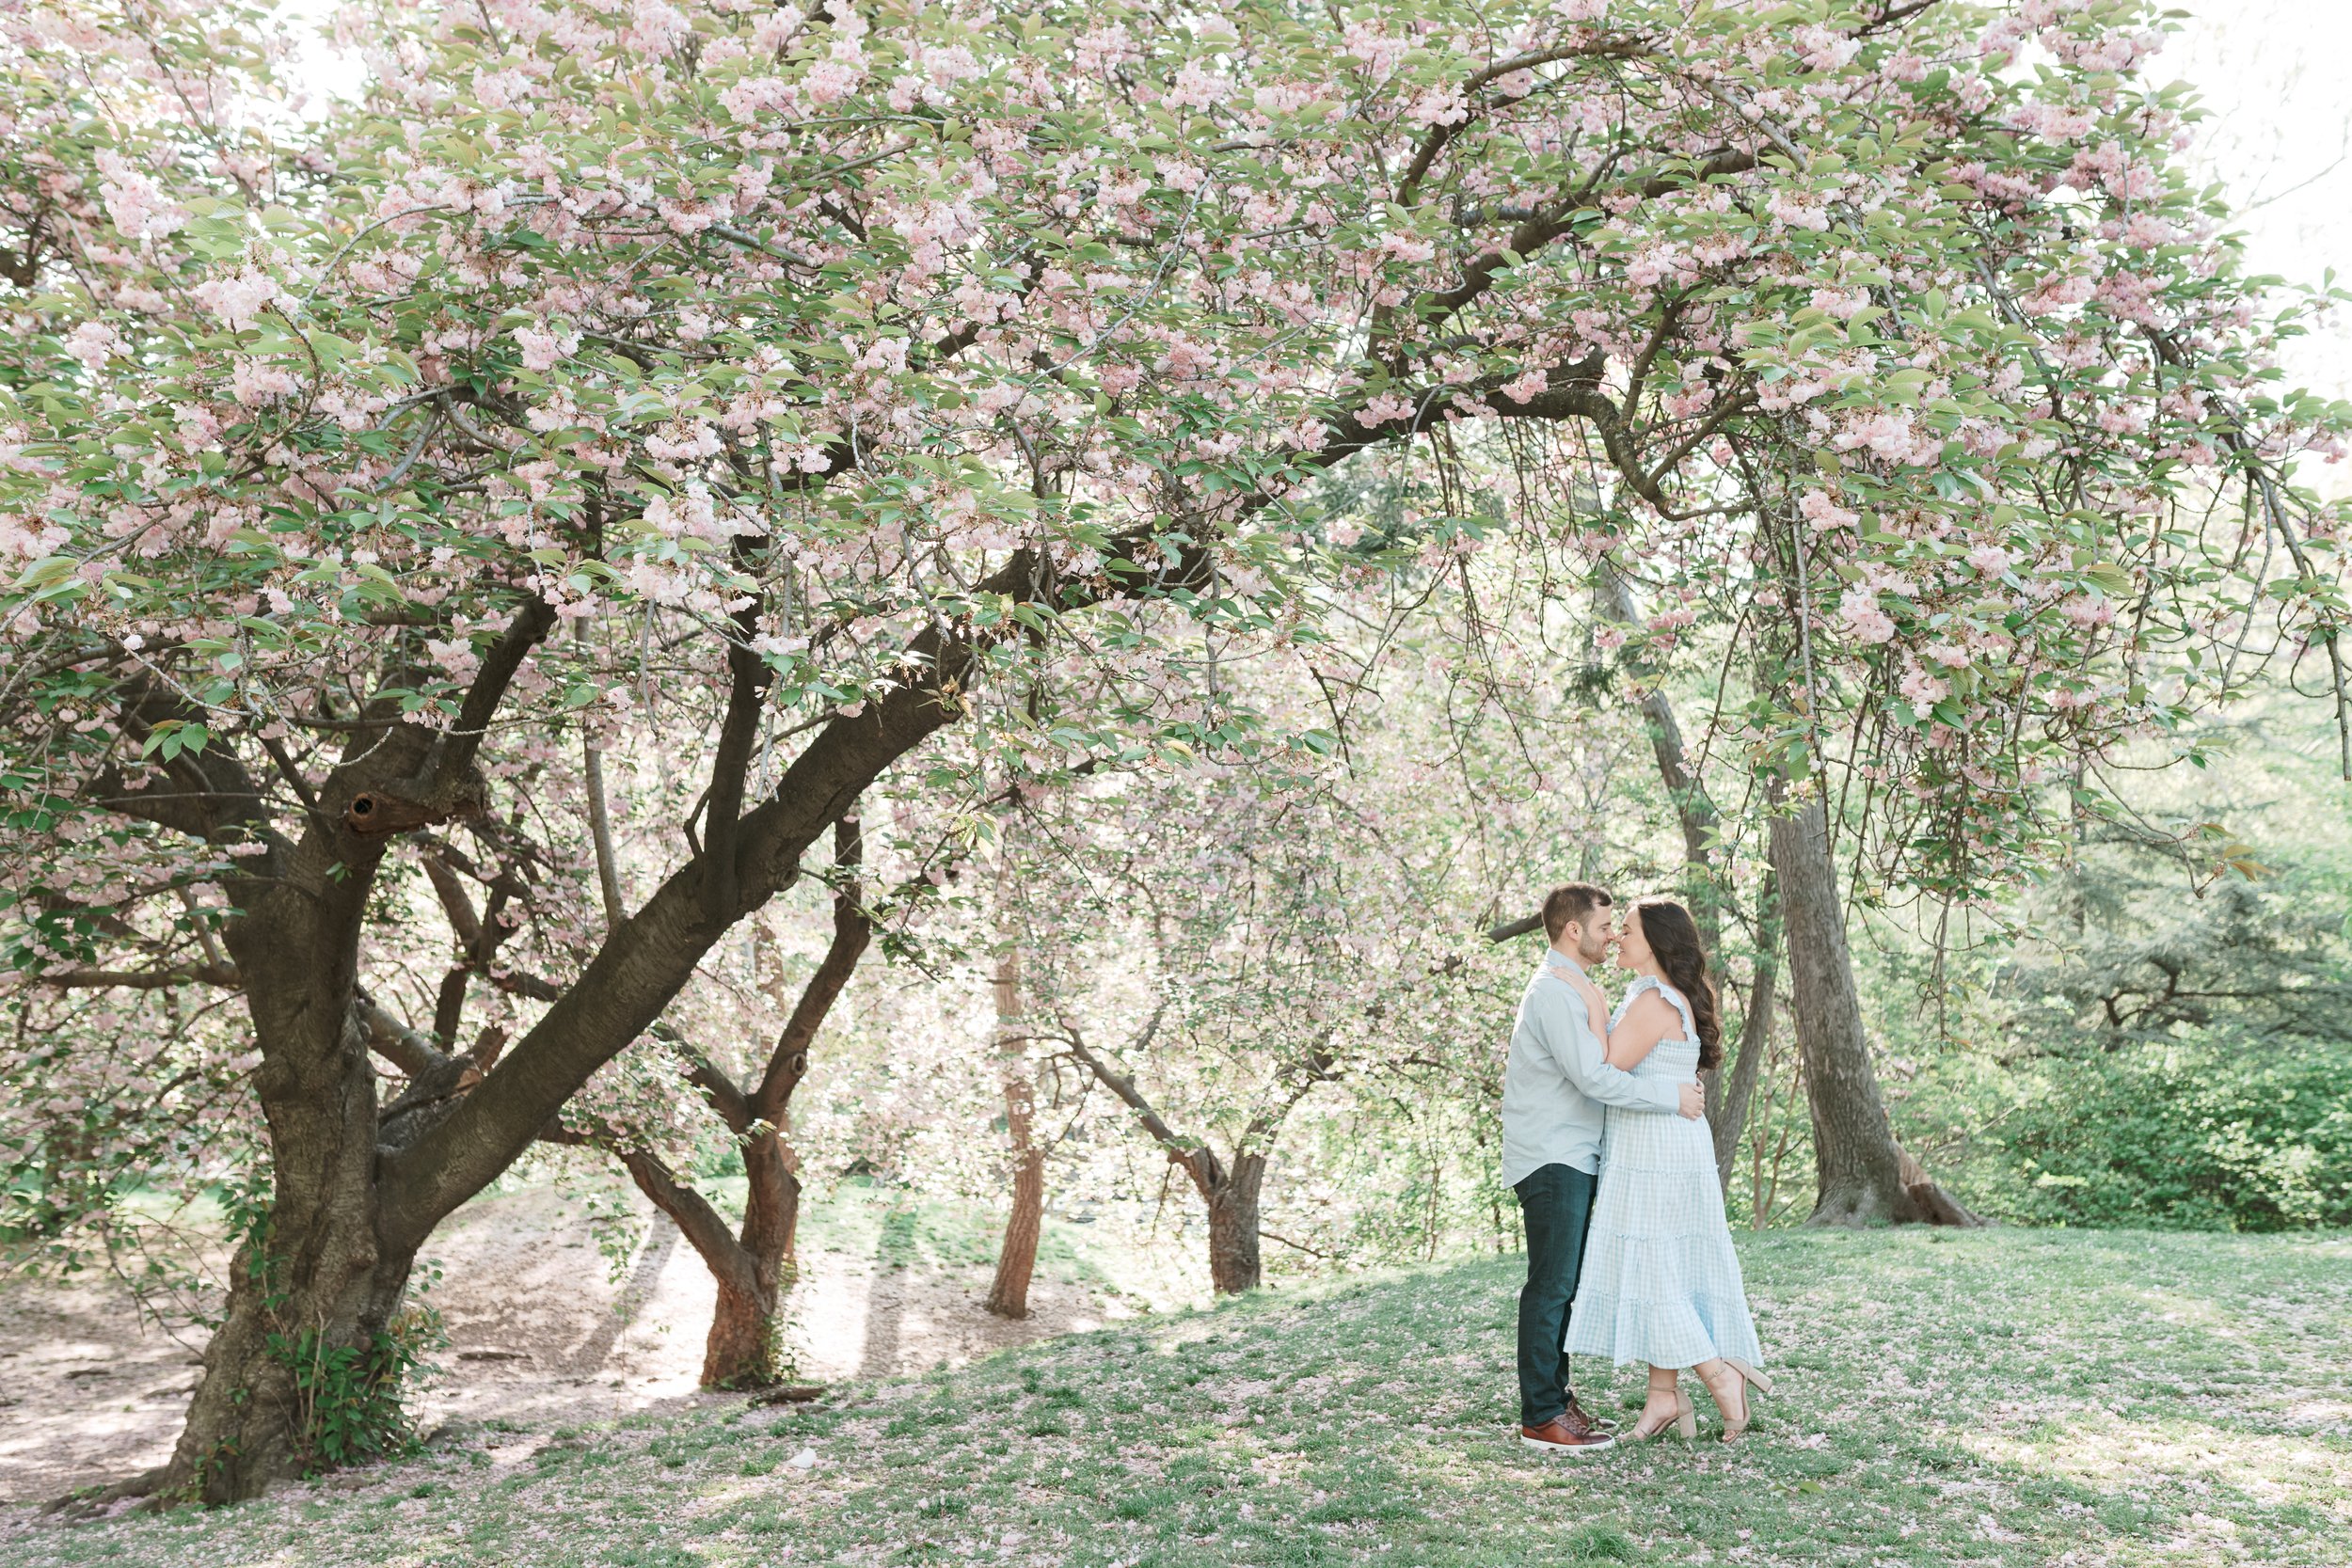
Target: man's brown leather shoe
[(1577, 1414), (1568, 1434)]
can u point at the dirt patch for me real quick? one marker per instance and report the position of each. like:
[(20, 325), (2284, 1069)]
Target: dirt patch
[(540, 1336)]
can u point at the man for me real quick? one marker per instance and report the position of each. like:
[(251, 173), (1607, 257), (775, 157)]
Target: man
[(1553, 1092)]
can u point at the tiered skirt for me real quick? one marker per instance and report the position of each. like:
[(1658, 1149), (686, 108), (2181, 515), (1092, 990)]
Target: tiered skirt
[(1661, 1283)]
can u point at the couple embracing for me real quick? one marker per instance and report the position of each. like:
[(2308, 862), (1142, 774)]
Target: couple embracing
[(1605, 1142)]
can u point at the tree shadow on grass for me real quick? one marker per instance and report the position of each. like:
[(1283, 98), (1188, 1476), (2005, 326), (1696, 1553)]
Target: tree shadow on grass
[(886, 1307)]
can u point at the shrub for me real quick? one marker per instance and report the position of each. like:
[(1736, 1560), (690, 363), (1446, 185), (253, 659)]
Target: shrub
[(2213, 1134)]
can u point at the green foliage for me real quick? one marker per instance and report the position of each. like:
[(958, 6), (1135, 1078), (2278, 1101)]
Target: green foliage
[(2190, 1051), (2147, 1038), (353, 1397), (2202, 1137)]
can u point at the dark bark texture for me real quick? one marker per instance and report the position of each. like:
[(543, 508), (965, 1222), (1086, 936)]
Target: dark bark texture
[(315, 1274), (1232, 1194), (1861, 1169)]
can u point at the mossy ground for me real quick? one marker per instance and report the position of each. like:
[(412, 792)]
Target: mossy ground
[(1996, 1398)]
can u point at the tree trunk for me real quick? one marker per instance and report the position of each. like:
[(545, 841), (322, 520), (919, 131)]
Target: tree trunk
[(255, 1417), (742, 1350), (753, 1267), (745, 1347), (311, 1279), (1016, 1259), (1726, 1106), (1861, 1168), (1231, 1192), (1232, 1199), (1727, 1101)]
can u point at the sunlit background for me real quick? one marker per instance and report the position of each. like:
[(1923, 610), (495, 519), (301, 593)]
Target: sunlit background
[(2275, 78)]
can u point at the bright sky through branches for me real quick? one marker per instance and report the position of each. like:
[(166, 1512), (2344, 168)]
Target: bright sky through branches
[(2279, 138)]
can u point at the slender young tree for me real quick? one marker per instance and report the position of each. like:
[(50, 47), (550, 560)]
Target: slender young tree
[(1025, 1221), (1704, 849), (1219, 915), (754, 1263), (1231, 1184)]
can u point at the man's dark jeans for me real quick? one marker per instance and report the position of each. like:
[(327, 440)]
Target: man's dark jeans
[(1557, 1204)]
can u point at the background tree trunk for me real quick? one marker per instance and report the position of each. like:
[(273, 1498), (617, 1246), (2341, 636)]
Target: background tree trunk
[(1728, 1096), (1860, 1166), (745, 1346), (1230, 1192), (1704, 886), (753, 1267), (1232, 1199), (741, 1351), (1016, 1257)]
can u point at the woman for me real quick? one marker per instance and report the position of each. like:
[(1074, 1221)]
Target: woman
[(1661, 1283)]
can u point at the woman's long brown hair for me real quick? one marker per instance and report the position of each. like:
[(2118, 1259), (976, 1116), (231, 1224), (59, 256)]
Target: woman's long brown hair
[(1674, 937)]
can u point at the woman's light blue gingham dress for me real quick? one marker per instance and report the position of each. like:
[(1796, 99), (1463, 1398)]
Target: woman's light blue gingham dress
[(1661, 1283)]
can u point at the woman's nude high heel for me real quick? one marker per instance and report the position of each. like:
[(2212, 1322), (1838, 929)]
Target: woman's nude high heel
[(1736, 1382), (1685, 1421)]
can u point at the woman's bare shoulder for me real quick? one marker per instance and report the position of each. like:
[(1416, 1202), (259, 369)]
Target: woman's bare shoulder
[(1649, 1007), (1649, 1001)]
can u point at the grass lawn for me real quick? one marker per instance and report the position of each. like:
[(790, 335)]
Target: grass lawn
[(1994, 1397)]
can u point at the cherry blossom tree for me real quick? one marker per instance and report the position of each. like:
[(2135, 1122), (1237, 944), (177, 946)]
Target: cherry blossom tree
[(815, 377), (753, 1261), (1206, 923)]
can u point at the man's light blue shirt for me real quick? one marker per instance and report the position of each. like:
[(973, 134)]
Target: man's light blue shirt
[(1558, 1080)]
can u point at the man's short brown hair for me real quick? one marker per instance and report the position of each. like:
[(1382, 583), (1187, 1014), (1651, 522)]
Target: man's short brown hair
[(1574, 901)]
